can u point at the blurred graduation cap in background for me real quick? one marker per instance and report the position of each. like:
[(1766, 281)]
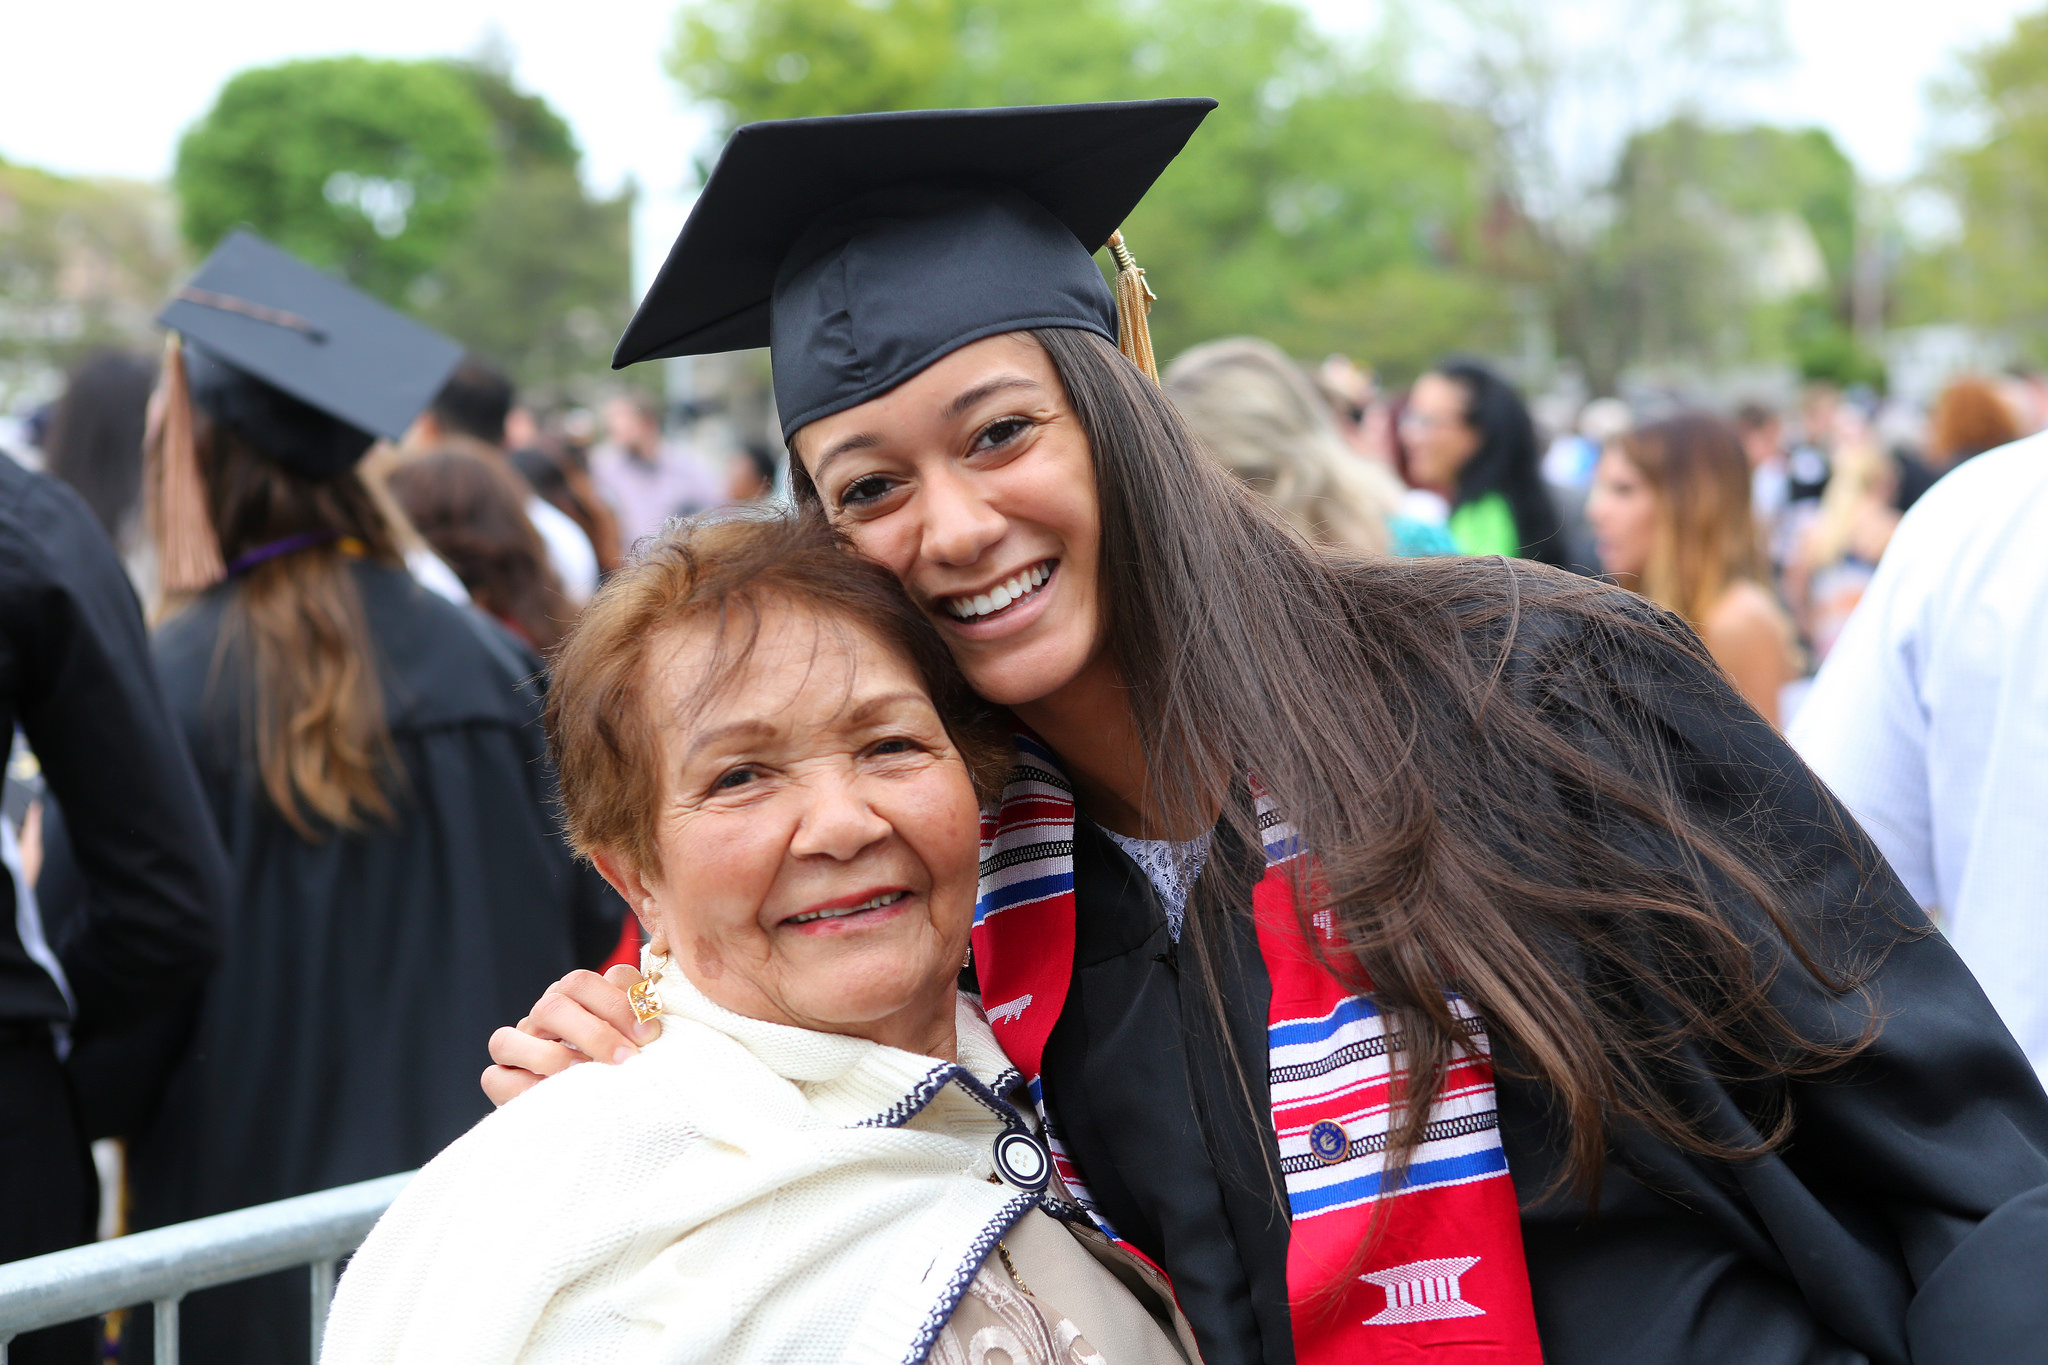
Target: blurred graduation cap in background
[(861, 248), (306, 369), (309, 370)]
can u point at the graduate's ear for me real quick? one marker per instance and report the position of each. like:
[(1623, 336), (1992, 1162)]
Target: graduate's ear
[(633, 888)]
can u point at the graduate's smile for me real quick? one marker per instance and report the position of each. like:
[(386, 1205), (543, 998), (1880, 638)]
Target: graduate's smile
[(1009, 603)]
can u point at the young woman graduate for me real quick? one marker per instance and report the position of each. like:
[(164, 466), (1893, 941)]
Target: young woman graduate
[(372, 757), (1414, 959)]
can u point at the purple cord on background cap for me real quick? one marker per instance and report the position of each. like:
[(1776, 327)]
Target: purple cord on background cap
[(305, 540)]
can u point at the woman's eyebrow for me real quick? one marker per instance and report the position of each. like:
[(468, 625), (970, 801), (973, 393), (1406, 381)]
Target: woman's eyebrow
[(739, 729), (869, 707), (984, 389), (866, 440)]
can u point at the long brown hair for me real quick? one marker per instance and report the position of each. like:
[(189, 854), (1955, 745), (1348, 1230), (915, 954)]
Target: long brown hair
[(295, 628), (471, 510), (1706, 536), (1410, 717)]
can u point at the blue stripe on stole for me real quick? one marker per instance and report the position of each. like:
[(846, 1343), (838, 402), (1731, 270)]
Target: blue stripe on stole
[(1018, 892), (1281, 850), (1421, 1175), (1353, 1009)]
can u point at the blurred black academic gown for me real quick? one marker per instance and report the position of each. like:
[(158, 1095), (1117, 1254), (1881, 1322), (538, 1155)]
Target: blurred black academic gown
[(343, 1034)]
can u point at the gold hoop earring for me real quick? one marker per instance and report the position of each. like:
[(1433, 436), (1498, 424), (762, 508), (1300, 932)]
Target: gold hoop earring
[(642, 995)]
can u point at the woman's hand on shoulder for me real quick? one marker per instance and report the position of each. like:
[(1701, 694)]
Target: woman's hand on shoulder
[(583, 1017)]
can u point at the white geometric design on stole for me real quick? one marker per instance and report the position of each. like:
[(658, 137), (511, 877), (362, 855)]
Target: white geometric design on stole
[(1010, 1009), (1423, 1291)]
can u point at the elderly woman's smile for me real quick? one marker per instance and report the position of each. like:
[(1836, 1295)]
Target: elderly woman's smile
[(817, 830)]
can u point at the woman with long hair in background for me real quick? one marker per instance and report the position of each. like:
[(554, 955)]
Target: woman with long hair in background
[(1670, 511), (471, 512), (94, 443), (1412, 958), (371, 755), (1469, 437)]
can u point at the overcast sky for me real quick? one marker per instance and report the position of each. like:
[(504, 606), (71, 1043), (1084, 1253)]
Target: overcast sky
[(105, 88)]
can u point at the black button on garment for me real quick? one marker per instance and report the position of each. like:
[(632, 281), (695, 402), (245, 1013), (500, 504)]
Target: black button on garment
[(1022, 1162)]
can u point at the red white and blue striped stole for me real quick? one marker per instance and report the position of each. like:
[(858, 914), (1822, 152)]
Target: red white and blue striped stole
[(1444, 1277)]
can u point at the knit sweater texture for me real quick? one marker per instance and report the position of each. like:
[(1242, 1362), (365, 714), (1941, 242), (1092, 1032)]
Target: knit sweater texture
[(739, 1191)]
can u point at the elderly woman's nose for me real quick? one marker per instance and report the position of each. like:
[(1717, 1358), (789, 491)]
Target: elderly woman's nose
[(838, 822), (958, 522)]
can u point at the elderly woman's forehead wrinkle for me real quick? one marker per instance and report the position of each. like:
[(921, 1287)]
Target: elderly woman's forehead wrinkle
[(800, 678)]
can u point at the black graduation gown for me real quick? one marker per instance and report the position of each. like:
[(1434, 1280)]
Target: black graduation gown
[(1825, 1252), (134, 929), (343, 1034)]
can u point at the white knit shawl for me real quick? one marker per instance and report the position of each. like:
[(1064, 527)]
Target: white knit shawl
[(737, 1192)]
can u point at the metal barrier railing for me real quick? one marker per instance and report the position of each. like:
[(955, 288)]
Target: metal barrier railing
[(161, 1266)]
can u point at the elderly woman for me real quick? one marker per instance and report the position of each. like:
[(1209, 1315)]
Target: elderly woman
[(821, 1157)]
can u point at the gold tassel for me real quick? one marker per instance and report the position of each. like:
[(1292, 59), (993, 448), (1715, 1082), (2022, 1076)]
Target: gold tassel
[(1134, 300), (187, 548)]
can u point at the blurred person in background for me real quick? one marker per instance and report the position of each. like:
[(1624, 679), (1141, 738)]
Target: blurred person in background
[(1571, 457), (372, 758), (94, 443), (646, 478), (1811, 458), (114, 946), (469, 413), (555, 469), (1568, 464), (1969, 418), (2025, 392), (750, 473), (1670, 508), (1469, 437), (470, 511), (1844, 536), (1762, 431), (1930, 720), (1263, 419), (1357, 406)]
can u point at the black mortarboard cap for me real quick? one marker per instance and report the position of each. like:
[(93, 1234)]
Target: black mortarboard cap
[(865, 247), (306, 368)]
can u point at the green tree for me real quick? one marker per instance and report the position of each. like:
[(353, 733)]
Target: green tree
[(1322, 205), (438, 185), (1723, 244), (540, 279), (83, 264), (1995, 270), (371, 168)]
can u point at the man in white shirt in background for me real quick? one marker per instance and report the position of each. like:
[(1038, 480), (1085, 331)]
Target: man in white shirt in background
[(469, 414), (1930, 720), (645, 478)]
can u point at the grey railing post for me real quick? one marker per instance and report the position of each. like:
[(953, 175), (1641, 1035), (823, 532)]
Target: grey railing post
[(323, 1295), (167, 1330)]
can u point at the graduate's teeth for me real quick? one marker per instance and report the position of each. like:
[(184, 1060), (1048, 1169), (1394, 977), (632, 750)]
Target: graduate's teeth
[(887, 898), (1001, 596)]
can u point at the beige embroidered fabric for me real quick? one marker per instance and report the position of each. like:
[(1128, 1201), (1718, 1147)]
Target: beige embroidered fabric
[(998, 1324), (1075, 1313)]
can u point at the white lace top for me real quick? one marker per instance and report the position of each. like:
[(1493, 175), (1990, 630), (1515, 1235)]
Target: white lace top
[(1172, 868)]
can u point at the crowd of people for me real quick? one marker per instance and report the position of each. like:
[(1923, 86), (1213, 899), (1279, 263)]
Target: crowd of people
[(1394, 920)]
